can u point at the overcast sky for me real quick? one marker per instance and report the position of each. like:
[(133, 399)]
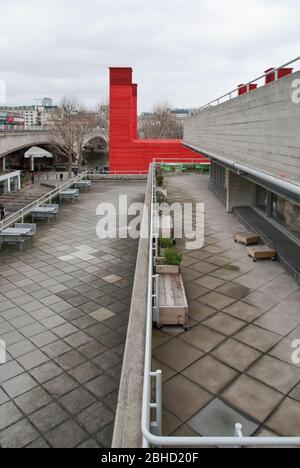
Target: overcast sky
[(184, 52)]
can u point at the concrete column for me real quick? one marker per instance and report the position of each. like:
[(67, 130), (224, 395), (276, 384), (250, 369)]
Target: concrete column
[(19, 180), (32, 163), (8, 184), (240, 191), (4, 163)]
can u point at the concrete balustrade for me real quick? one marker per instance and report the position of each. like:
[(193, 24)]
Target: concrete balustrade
[(259, 129)]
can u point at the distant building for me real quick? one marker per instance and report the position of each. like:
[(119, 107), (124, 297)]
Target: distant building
[(47, 102), (29, 117), (182, 114), (11, 120)]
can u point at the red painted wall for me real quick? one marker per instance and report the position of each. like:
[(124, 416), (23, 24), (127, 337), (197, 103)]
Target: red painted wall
[(128, 153)]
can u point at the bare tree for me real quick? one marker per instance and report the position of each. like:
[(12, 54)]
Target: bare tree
[(68, 129), (160, 124), (103, 120)]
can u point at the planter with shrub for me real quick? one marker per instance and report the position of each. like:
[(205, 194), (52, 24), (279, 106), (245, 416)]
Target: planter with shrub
[(170, 262), (160, 180)]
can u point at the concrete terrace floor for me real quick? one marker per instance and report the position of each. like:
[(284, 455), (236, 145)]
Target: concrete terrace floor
[(64, 307), (235, 363)]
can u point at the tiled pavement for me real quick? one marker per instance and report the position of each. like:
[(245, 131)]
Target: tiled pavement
[(64, 306), (235, 363)]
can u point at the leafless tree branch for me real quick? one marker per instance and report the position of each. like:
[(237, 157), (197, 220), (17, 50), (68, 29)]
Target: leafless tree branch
[(161, 124), (69, 127)]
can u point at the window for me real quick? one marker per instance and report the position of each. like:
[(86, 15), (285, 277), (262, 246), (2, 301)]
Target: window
[(218, 174), (261, 199), (287, 214)]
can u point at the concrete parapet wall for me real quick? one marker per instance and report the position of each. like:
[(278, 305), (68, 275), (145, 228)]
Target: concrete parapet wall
[(259, 129), (127, 431)]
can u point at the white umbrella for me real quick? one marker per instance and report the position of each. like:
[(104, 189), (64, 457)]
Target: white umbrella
[(36, 152)]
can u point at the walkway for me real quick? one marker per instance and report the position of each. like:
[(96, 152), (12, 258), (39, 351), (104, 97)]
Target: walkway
[(15, 201), (64, 306), (235, 364)]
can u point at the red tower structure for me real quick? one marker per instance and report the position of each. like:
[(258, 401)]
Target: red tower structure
[(128, 153)]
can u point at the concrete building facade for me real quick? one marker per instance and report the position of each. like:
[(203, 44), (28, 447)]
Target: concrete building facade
[(253, 141), (10, 182), (34, 116)]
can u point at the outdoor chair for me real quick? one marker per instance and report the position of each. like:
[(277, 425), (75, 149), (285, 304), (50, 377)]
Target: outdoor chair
[(181, 168), (202, 168)]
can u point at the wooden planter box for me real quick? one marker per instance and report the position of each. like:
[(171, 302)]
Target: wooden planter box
[(173, 308), (262, 252), (162, 269), (167, 269), (247, 238)]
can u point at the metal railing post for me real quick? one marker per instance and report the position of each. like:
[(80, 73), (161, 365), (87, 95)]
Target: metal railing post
[(156, 237), (156, 426), (155, 295), (239, 430), (159, 410)]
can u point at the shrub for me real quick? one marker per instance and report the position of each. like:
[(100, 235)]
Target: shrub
[(160, 180), (161, 199), (172, 257), (166, 243)]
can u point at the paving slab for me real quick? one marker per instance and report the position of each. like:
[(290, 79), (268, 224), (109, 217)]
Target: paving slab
[(244, 318), (50, 382), (218, 420)]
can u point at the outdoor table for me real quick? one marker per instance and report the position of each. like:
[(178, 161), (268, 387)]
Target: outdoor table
[(83, 183), (69, 194), (43, 209), (16, 231), (14, 236), (43, 212)]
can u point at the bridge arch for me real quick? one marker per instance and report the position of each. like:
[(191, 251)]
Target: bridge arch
[(12, 142), (96, 149)]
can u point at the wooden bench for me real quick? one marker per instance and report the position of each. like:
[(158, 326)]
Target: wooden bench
[(172, 301), (261, 252)]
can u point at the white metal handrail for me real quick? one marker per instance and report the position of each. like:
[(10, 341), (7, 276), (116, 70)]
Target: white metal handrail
[(231, 93), (151, 430), (118, 173), (48, 197)]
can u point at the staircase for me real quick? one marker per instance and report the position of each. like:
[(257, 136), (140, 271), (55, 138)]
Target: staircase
[(15, 201)]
